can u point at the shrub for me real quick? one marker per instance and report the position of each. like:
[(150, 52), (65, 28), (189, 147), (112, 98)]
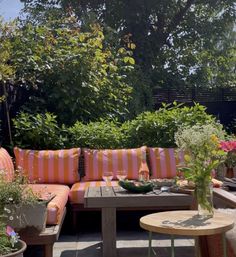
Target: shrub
[(39, 131), (98, 135), (158, 128), (78, 74)]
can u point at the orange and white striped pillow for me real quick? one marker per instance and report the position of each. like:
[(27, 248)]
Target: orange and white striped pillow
[(99, 161), (6, 164), (164, 161), (49, 166)]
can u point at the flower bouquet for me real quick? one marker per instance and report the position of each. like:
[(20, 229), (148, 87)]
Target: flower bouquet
[(202, 154)]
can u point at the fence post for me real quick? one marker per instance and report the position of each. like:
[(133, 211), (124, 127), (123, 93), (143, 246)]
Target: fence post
[(7, 113)]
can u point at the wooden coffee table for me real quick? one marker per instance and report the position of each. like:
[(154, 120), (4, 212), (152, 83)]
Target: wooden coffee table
[(186, 223), (109, 199)]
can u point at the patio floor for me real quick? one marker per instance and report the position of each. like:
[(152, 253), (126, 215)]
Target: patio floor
[(132, 241)]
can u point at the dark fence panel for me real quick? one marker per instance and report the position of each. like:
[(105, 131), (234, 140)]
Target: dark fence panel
[(17, 95), (220, 102)]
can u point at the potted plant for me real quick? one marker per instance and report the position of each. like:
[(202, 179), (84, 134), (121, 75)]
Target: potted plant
[(230, 162), (202, 155), (19, 205), (10, 244)]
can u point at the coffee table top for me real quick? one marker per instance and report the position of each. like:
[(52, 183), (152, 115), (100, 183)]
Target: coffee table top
[(187, 223), (99, 197)]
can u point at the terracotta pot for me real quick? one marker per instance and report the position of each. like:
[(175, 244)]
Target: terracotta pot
[(229, 173), (21, 245)]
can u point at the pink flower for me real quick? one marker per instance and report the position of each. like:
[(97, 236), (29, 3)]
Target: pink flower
[(13, 236), (228, 146), (10, 231)]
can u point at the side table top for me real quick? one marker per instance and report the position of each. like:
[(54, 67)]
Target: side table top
[(186, 223)]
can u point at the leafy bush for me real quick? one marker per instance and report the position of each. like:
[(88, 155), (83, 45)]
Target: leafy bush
[(77, 73), (158, 128), (97, 135), (39, 131)]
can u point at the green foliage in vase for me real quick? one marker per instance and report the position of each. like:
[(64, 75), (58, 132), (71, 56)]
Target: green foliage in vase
[(202, 154)]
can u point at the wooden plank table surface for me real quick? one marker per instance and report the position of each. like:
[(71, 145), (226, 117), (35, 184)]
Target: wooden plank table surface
[(109, 199)]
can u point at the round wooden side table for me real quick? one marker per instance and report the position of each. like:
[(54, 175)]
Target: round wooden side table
[(186, 223)]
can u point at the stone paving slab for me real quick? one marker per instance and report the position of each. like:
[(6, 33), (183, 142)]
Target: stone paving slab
[(131, 244)]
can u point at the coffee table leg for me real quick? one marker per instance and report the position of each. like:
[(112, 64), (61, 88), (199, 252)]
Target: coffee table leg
[(224, 245), (109, 232), (172, 246)]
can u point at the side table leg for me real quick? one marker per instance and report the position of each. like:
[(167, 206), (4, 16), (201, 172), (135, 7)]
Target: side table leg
[(224, 245), (198, 247), (172, 246), (150, 244), (109, 232)]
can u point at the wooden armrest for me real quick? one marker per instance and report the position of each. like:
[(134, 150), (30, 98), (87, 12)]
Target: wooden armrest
[(227, 197)]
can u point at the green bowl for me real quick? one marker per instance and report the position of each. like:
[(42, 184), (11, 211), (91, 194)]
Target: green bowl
[(136, 187)]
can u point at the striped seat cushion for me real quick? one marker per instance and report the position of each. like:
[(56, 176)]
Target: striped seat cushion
[(48, 166), (163, 162), (76, 195), (6, 165), (99, 161), (56, 206)]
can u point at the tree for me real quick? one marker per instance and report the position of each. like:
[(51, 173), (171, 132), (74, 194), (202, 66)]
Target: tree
[(178, 42), (77, 76)]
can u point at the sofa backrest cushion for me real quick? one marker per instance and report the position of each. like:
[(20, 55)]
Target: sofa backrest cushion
[(49, 166), (99, 161), (163, 162), (6, 164)]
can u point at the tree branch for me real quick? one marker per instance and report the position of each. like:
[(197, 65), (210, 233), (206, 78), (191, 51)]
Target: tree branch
[(179, 16)]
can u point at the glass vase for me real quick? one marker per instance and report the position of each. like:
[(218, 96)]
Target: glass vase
[(204, 195)]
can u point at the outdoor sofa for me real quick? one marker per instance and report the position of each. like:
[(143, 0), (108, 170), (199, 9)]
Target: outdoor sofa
[(67, 173)]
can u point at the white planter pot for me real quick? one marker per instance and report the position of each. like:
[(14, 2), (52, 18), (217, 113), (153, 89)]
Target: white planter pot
[(27, 215)]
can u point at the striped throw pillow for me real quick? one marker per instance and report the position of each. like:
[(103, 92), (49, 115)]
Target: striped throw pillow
[(6, 165), (99, 161), (49, 166), (164, 161)]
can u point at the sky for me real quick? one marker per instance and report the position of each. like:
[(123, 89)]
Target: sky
[(10, 9)]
